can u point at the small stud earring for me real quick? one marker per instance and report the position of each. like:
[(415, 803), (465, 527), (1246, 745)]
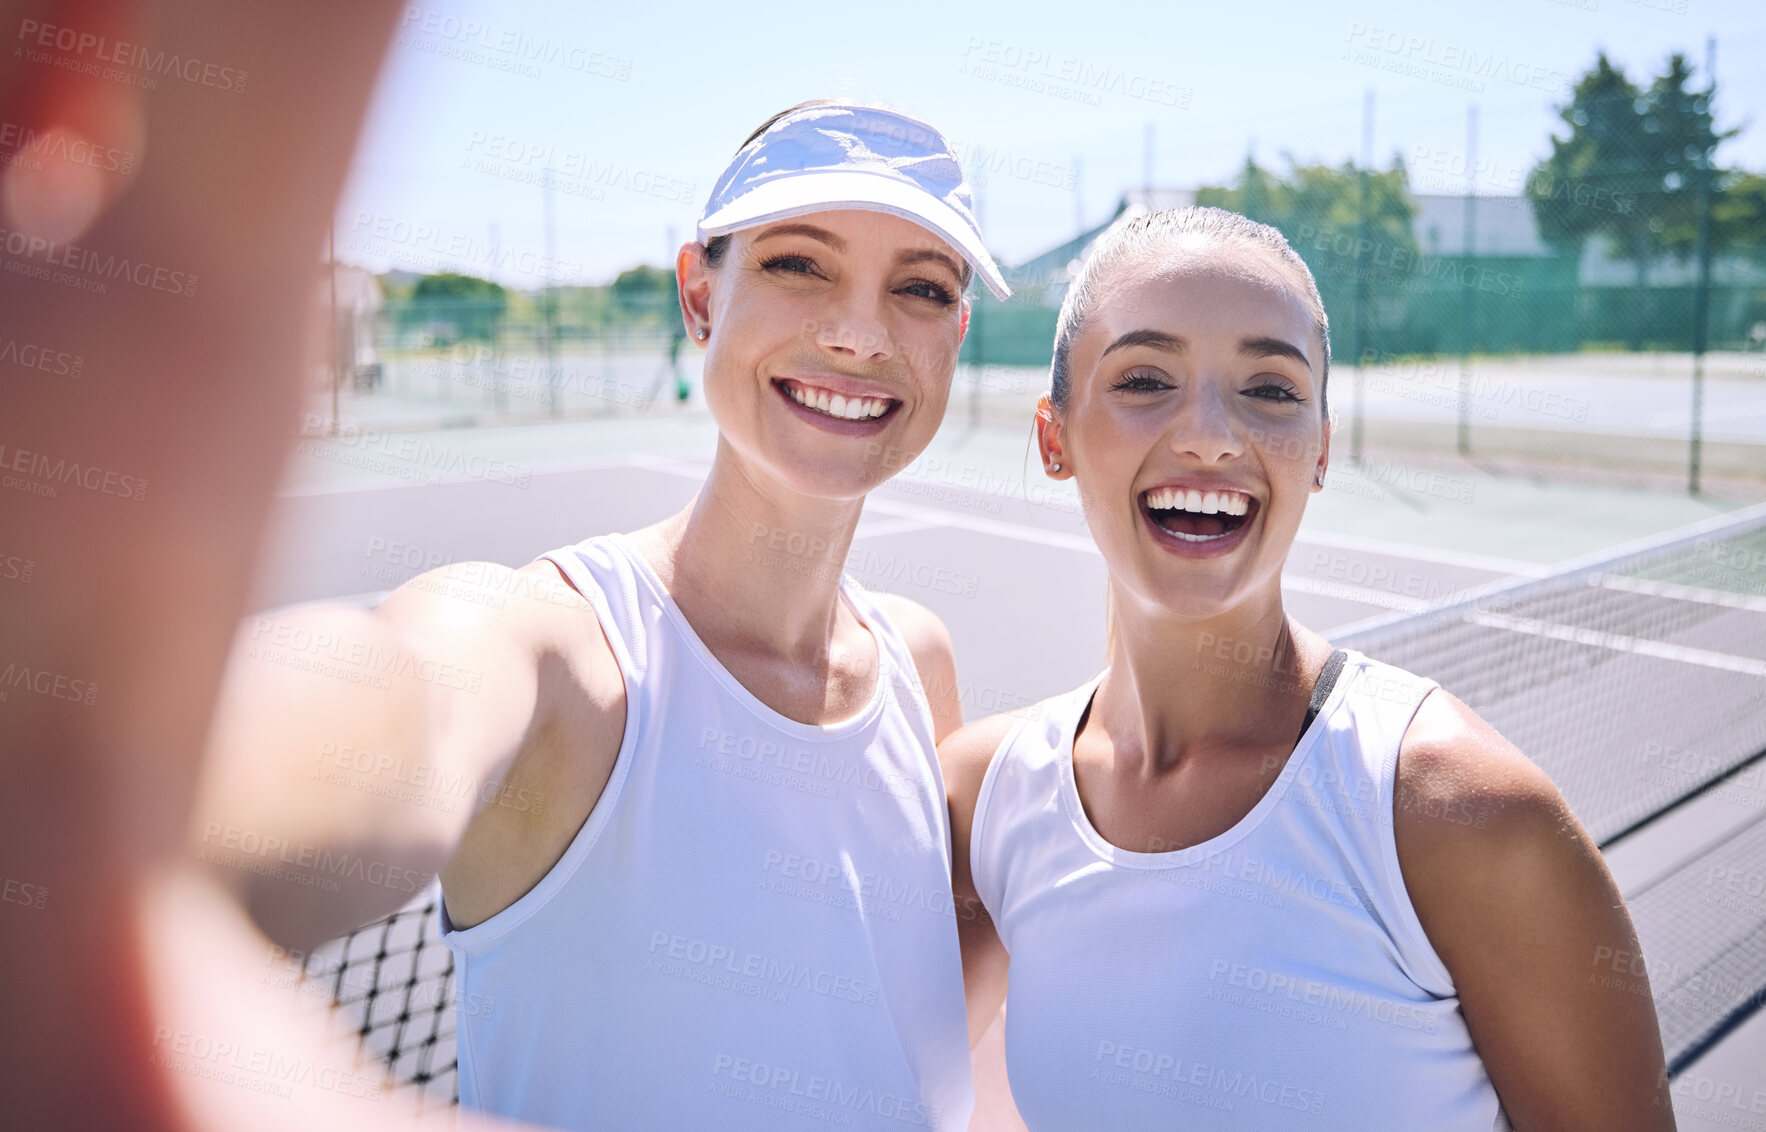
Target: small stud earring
[(702, 334), (1055, 467), (1318, 478)]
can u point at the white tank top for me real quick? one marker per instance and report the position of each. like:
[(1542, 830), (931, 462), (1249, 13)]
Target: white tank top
[(752, 930), (1273, 977)]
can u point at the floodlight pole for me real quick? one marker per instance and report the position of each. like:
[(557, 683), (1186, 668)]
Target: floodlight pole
[(1467, 294), (1361, 241), (551, 305), (1701, 296)]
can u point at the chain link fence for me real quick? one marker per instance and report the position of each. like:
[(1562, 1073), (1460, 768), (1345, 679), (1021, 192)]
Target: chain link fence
[(1603, 309)]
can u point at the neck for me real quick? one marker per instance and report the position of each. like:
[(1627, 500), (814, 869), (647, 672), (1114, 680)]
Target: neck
[(1180, 688), (755, 562)]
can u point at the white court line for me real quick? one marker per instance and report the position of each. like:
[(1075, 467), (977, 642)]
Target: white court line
[(1651, 588), (392, 480), (1640, 646), (689, 468), (888, 527), (928, 516), (1301, 584), (919, 517), (933, 516), (1424, 554)]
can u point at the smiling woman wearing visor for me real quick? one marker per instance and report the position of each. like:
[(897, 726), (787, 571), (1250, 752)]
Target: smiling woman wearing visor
[(702, 928)]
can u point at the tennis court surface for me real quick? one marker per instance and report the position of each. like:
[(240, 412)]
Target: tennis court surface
[(1629, 661)]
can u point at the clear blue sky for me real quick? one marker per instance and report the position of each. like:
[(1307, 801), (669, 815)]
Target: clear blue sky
[(637, 106)]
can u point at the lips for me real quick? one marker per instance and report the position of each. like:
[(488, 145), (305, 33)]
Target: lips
[(842, 405), (848, 404), (1198, 519)]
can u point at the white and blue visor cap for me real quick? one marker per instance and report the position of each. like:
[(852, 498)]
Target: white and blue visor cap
[(840, 156)]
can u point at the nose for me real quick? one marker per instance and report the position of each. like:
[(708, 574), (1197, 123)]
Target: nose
[(854, 327), (1203, 426)]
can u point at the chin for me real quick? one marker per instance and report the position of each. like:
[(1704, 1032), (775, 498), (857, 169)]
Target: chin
[(823, 478)]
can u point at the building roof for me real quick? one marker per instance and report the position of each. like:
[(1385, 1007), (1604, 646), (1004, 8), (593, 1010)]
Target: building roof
[(1045, 278), (1138, 201), (1500, 226)]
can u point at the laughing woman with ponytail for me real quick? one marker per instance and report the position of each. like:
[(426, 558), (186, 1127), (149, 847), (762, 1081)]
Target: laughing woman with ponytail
[(1241, 879)]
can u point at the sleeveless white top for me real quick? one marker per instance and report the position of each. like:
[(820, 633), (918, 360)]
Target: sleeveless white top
[(1273, 977), (752, 930)]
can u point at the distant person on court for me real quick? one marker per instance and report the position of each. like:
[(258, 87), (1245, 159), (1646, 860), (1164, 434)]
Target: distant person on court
[(1241, 880), (732, 908)]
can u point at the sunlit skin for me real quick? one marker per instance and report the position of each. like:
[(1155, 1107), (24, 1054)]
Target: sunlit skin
[(1207, 402), (853, 299), (1202, 367), (849, 300), (846, 300), (142, 947)]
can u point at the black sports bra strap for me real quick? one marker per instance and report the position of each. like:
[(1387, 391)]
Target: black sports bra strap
[(1327, 679)]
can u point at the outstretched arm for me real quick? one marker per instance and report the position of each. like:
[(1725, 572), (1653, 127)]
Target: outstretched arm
[(352, 749), (169, 238)]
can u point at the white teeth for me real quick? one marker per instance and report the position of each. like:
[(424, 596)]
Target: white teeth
[(837, 405), (1210, 503)]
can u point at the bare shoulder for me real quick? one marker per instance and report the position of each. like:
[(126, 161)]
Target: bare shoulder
[(1483, 835), (922, 630), (1461, 787), (929, 643), (965, 757), (547, 679), (486, 597), (505, 612)]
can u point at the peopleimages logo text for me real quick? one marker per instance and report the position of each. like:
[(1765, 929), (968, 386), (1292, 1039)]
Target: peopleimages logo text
[(103, 49), (100, 264)]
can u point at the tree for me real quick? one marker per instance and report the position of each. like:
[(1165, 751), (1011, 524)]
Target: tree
[(1628, 171), (1738, 213), (646, 294), (1369, 260), (459, 306)]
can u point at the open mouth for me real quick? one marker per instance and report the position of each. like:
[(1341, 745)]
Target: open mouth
[(857, 409), (1198, 517)]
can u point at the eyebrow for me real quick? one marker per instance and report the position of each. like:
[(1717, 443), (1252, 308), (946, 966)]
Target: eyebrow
[(923, 255), (1157, 339), (809, 230), (918, 255), (1272, 348), (1255, 347)]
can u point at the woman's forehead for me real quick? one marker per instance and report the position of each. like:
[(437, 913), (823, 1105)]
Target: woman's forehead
[(857, 229), (1197, 293)]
